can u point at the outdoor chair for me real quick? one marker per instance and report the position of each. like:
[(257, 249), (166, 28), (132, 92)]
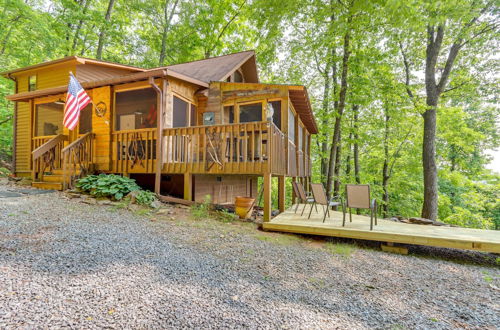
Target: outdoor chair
[(358, 197), (302, 196), (320, 198)]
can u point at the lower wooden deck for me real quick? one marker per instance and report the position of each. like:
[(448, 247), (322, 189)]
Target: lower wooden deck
[(386, 231)]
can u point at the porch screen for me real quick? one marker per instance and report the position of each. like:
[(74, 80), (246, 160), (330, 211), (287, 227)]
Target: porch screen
[(291, 125), (250, 112), (85, 123), (180, 118), (276, 105), (136, 109), (48, 119)]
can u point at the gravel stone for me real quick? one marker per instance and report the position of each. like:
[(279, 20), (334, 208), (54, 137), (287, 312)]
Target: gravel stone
[(68, 264)]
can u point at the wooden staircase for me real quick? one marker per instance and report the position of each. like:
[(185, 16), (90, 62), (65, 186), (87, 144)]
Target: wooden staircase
[(56, 167), (50, 180)]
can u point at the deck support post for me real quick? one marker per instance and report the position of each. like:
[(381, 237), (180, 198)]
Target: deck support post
[(188, 183), (281, 193), (159, 130), (267, 197)]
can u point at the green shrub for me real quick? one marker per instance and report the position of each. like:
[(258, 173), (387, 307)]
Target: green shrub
[(107, 185), (145, 197), (202, 210), (4, 172)]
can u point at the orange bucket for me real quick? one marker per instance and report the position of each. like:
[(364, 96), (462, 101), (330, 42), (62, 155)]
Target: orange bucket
[(243, 206)]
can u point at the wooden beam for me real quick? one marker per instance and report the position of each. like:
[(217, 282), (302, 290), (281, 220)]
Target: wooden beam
[(281, 193), (188, 183), (267, 197)]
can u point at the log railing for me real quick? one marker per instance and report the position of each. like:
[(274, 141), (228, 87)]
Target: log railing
[(78, 159), (47, 155), (134, 150), (246, 148)]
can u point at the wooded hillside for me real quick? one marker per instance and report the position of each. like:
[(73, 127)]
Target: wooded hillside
[(405, 92)]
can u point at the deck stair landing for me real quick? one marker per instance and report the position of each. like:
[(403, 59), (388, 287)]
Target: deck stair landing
[(386, 231)]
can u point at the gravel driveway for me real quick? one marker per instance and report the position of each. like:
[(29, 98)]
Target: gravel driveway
[(64, 263)]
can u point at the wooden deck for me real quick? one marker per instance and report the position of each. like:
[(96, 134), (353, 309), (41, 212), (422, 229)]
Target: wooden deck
[(386, 231)]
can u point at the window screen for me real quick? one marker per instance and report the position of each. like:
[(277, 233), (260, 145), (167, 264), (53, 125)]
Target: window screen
[(250, 112), (85, 124), (136, 109), (180, 113), (301, 138), (48, 119), (229, 114), (276, 113), (291, 125), (194, 120)]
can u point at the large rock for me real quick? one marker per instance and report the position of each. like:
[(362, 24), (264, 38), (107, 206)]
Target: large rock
[(421, 221)]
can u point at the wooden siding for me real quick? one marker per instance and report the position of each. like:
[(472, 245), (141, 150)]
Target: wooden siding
[(23, 137), (223, 189), (101, 127), (89, 72)]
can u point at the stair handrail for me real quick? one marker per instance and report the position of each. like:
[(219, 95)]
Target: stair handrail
[(75, 146), (47, 146), (48, 151)]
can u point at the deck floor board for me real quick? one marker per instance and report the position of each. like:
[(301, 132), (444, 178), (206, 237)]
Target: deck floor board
[(385, 231)]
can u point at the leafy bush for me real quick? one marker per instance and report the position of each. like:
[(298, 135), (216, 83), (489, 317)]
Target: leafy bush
[(145, 197), (202, 210), (4, 172), (109, 185)]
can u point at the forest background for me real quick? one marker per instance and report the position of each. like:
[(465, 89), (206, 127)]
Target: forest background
[(405, 92)]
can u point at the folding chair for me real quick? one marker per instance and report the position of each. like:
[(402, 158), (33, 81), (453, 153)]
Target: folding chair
[(300, 193), (319, 196), (358, 197)]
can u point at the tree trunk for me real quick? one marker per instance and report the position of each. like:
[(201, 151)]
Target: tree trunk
[(355, 108), (385, 170), (166, 28), (430, 206), (79, 27), (324, 144), (102, 34), (340, 110), (336, 171)]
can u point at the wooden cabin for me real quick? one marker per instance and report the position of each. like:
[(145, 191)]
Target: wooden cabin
[(219, 128)]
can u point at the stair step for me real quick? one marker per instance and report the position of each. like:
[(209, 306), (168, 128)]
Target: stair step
[(47, 185), (52, 178)]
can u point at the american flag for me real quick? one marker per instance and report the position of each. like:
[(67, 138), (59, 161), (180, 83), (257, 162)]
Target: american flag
[(76, 100)]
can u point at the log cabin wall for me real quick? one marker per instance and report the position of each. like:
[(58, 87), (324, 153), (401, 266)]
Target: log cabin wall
[(46, 77)]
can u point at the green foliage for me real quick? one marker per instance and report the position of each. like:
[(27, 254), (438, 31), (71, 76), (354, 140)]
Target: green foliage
[(341, 249), (4, 172), (300, 42), (201, 211), (145, 197), (110, 185)]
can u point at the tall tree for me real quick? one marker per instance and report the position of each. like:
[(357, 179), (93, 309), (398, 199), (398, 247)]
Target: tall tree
[(102, 34)]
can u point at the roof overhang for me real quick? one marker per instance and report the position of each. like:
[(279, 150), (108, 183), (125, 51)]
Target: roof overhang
[(76, 59), (26, 96), (302, 105)]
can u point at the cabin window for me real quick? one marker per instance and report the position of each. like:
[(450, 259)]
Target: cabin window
[(276, 109), (136, 109), (180, 116), (250, 112), (32, 83), (85, 123), (192, 117), (237, 76), (229, 114), (291, 125), (49, 118)]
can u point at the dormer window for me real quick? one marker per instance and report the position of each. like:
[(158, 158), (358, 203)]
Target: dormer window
[(32, 83), (236, 77)]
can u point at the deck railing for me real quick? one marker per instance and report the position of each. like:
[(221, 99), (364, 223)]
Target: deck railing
[(134, 150), (47, 154), (78, 159), (244, 148)]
